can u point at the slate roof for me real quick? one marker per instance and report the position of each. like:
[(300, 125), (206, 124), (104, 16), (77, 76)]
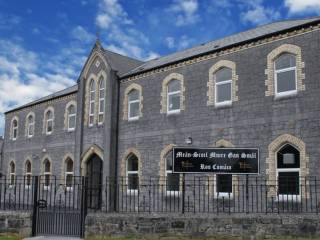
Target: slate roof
[(252, 34), (61, 93)]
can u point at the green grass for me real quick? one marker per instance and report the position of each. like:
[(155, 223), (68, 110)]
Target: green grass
[(9, 238)]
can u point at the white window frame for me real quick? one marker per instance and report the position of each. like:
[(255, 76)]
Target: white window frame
[(286, 93), (15, 130), (28, 186), (91, 101), (129, 106), (45, 187), (30, 124), (68, 173), (101, 100), (171, 94), (12, 175), (70, 116), (222, 194), (47, 122), (131, 191), (224, 103)]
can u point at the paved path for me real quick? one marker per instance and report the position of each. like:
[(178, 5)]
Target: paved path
[(52, 238)]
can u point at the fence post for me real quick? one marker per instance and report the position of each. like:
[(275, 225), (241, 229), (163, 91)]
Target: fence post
[(183, 192), (247, 193), (35, 205)]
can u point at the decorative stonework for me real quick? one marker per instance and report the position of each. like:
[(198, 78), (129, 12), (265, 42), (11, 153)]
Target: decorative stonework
[(96, 79), (270, 71), (44, 123), (271, 161), (94, 149), (123, 163), (162, 162), (164, 97), (211, 82), (63, 166), (225, 52), (26, 127), (125, 100), (11, 127), (66, 113)]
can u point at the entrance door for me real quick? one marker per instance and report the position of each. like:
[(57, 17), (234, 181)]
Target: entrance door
[(94, 186)]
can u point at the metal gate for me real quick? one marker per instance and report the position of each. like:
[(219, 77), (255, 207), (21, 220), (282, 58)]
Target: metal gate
[(59, 206)]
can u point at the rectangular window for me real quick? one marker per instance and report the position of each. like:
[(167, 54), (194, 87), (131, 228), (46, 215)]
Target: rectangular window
[(173, 182), (224, 92), (49, 126), (72, 122), (288, 183), (30, 129), (133, 109), (174, 102), (224, 184), (286, 81)]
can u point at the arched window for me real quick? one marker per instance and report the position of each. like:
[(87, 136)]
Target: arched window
[(49, 122), (174, 94), (28, 173), (30, 126), (14, 129), (172, 179), (288, 172), (68, 166), (92, 102), (71, 117), (285, 74), (101, 100), (223, 86), (12, 173), (46, 173), (132, 173), (133, 104)]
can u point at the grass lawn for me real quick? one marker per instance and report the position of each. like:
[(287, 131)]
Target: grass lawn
[(3, 237)]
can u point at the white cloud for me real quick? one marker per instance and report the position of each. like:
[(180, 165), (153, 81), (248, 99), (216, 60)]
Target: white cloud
[(170, 42), (8, 21), (185, 11), (119, 31), (81, 34), (298, 6), (180, 43)]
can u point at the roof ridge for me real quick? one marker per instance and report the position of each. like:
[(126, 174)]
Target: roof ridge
[(107, 50)]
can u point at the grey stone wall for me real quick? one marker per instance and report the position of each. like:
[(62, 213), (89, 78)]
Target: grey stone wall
[(255, 120), (245, 226), (16, 222), (1, 153)]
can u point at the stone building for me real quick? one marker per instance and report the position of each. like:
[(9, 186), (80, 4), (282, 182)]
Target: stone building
[(257, 88)]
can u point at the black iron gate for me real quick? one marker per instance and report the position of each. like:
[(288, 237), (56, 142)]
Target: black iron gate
[(59, 206)]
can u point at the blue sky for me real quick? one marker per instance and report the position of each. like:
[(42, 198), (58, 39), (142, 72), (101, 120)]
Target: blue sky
[(44, 44)]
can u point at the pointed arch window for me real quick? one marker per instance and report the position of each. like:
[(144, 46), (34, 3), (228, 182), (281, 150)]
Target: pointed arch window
[(132, 174), (68, 173), (101, 100), (288, 173), (49, 122), (14, 129), (30, 126), (285, 74), (92, 102), (174, 95), (46, 174), (71, 117), (28, 173), (12, 173)]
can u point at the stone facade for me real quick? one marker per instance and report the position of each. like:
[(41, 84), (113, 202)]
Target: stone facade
[(254, 119)]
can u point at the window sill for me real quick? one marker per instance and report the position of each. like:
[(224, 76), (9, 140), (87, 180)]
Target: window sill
[(288, 198), (29, 137), (285, 95), (48, 134), (176, 112), (70, 130), (223, 195), (223, 105), (133, 119)]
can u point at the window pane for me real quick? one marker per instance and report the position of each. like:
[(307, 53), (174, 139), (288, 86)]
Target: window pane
[(133, 181), (30, 130), (92, 108), (15, 133), (28, 167), (92, 85), (49, 127), (49, 115), (91, 119), (132, 164), (286, 81), (28, 179), (69, 165), (12, 177), (12, 167), (169, 161), (100, 119), (47, 166), (173, 180), (133, 95), (289, 183), (46, 180), (72, 109), (223, 74), (72, 121), (101, 106), (69, 179), (224, 92), (15, 123), (174, 102), (173, 86), (285, 60), (288, 157), (224, 183), (134, 109)]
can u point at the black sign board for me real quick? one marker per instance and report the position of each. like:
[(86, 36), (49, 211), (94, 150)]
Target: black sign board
[(216, 160)]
